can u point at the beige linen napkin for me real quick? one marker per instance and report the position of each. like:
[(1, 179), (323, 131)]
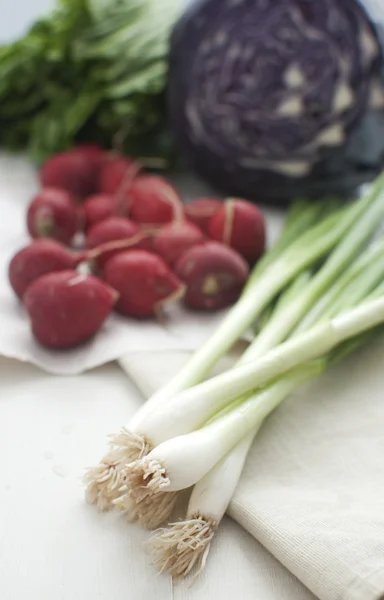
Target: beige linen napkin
[(313, 488)]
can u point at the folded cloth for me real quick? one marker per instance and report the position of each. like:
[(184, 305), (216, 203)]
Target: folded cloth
[(312, 491)]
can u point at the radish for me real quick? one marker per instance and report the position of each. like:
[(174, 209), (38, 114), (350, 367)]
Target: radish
[(214, 274), (144, 281), (174, 239), (98, 208), (154, 201), (37, 259), (201, 210), (240, 225), (91, 151), (75, 171), (67, 308), (53, 213), (115, 229), (110, 230), (114, 171)]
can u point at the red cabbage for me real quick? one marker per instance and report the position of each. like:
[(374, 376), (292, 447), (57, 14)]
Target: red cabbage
[(274, 98)]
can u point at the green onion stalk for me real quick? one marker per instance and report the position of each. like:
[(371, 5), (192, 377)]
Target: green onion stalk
[(103, 482), (183, 407), (184, 545), (158, 469), (312, 246)]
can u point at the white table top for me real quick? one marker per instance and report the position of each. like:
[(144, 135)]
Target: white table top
[(55, 547)]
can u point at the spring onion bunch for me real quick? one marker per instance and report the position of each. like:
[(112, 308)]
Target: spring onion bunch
[(323, 291), (185, 544), (270, 277), (103, 481)]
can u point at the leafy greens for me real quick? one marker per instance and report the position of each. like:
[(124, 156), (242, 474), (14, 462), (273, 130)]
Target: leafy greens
[(91, 70)]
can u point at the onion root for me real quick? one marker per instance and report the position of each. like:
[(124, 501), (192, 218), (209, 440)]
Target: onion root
[(103, 482), (183, 546)]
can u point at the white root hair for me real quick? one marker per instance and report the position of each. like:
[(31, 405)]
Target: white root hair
[(103, 482), (142, 496), (183, 547), (150, 512), (144, 478)]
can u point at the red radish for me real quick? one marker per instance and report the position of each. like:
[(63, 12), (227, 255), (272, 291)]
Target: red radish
[(144, 281), (97, 208), (201, 210), (37, 259), (67, 308), (154, 201), (93, 151), (174, 239), (240, 225), (53, 213), (214, 274), (114, 171), (112, 230), (75, 171)]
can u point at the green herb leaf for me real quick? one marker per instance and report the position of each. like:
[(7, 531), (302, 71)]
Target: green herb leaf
[(89, 70)]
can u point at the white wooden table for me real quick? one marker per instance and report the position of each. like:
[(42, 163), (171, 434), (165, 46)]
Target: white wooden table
[(55, 547)]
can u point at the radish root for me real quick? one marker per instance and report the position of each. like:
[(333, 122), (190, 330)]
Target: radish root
[(229, 222), (123, 244), (126, 185), (183, 546)]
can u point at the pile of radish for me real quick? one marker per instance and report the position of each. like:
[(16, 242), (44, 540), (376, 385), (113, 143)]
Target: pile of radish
[(107, 235)]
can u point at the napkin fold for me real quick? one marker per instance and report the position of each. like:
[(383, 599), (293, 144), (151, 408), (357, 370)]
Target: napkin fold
[(312, 491)]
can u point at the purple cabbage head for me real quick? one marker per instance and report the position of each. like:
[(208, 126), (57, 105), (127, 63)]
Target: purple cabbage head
[(273, 98)]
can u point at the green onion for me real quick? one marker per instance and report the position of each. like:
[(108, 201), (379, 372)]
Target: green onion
[(353, 286), (182, 461), (304, 252), (102, 481), (319, 295), (185, 544), (224, 476), (363, 274), (177, 414), (179, 462)]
